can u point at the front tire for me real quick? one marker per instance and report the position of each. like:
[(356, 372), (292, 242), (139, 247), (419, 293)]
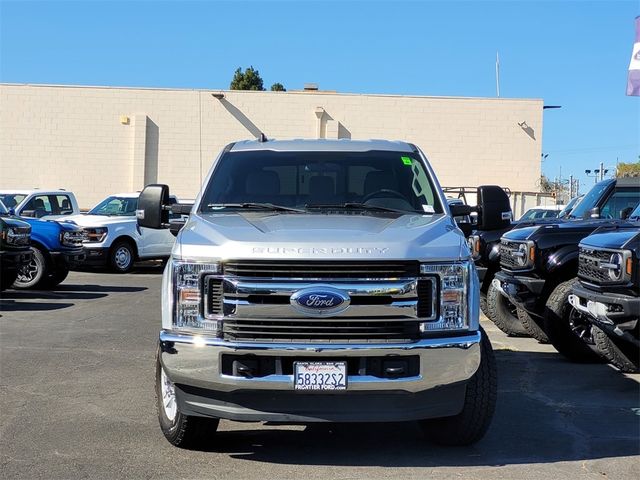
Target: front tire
[(471, 424), (504, 313), (533, 326), (35, 273), (621, 354), (122, 256), (568, 330), (180, 430), (56, 277)]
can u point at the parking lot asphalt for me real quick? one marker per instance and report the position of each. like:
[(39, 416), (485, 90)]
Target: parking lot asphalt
[(77, 401)]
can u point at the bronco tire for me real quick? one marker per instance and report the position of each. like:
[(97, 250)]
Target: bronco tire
[(568, 330), (473, 421), (35, 273), (504, 313), (181, 430), (621, 354), (533, 326)]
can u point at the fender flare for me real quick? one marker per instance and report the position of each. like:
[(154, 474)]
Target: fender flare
[(561, 258)]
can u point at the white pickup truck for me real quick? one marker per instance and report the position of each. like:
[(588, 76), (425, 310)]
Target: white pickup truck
[(37, 203), (114, 239)]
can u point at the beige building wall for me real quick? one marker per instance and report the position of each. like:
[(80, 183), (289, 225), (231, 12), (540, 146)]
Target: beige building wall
[(96, 141)]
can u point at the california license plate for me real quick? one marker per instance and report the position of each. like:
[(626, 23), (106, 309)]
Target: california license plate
[(320, 375)]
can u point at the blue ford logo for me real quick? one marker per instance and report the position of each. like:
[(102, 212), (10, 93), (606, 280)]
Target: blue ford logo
[(320, 301)]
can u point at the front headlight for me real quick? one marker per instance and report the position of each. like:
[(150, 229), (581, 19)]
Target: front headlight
[(189, 292), (619, 267), (72, 239), (96, 234), (525, 254), (456, 299), (473, 241), (17, 237)]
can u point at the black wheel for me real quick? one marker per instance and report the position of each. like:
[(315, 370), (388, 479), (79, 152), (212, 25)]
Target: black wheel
[(569, 331), (620, 353), (483, 304), (121, 256), (504, 313), (35, 273), (473, 421), (56, 277), (181, 430), (534, 326)]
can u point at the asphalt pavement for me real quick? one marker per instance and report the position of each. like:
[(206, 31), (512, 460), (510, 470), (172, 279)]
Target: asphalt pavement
[(77, 401)]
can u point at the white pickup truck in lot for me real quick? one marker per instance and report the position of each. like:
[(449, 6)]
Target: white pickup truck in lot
[(114, 239), (38, 203), (323, 280)]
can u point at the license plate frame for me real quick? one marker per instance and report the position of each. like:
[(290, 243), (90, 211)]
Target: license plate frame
[(323, 376)]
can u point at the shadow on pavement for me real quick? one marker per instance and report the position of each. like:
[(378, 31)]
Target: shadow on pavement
[(13, 306), (549, 410)]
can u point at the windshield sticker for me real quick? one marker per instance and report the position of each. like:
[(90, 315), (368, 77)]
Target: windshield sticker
[(428, 209), (406, 160)]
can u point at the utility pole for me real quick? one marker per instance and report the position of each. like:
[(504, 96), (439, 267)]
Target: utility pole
[(497, 75), (571, 186), (601, 171)]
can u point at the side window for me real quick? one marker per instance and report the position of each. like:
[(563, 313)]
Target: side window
[(39, 205), (618, 201), (64, 204)]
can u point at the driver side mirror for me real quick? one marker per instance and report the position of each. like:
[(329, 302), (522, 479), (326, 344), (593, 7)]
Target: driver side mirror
[(494, 208), (594, 212), (153, 207), (626, 213)]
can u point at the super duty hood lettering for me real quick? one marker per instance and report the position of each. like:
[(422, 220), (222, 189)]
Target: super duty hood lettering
[(321, 250)]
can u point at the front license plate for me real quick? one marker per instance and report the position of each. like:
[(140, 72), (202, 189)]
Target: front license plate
[(320, 375)]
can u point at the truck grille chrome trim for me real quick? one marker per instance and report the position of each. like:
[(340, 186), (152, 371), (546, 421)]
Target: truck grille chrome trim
[(258, 309), (594, 265)]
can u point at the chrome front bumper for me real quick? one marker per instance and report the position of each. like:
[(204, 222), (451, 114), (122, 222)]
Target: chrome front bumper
[(196, 361), (193, 364)]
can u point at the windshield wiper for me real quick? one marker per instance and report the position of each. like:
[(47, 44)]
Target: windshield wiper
[(359, 206), (250, 205)]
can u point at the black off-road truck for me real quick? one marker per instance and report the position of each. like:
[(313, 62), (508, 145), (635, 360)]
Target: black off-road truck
[(540, 265), (608, 293), (15, 236)]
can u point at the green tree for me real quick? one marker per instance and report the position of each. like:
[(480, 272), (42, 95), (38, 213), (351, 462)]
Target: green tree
[(248, 80), (628, 169), (278, 87)]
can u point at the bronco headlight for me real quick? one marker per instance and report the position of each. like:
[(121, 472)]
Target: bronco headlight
[(72, 239), (188, 294), (619, 266), (525, 254), (16, 237), (456, 303), (95, 234)]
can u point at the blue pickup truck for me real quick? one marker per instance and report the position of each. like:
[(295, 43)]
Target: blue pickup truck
[(56, 247)]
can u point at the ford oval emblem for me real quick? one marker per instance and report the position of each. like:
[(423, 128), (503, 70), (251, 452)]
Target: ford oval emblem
[(320, 301)]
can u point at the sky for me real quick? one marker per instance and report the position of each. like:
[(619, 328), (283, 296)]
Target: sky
[(569, 53)]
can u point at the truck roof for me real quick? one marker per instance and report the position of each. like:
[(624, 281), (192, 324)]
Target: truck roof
[(22, 191), (323, 145)]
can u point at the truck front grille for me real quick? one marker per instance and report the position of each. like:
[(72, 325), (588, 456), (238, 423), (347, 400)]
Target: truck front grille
[(508, 261), (321, 269), (388, 302), (589, 265), (320, 329)]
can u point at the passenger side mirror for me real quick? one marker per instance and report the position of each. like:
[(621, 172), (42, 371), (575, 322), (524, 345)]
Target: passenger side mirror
[(28, 213), (626, 213), (179, 213), (153, 207), (460, 210), (494, 208), (594, 212)]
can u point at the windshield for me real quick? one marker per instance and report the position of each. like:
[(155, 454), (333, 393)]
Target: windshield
[(116, 206), (11, 200), (535, 213), (636, 213), (589, 201), (321, 180), (567, 209)]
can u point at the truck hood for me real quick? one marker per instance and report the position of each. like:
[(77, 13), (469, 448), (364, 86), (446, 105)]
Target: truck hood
[(85, 220), (624, 237), (316, 235)]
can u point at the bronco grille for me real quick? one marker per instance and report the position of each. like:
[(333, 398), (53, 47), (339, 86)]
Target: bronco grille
[(321, 269), (589, 265), (507, 259)]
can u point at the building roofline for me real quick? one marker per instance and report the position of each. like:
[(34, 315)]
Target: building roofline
[(268, 92)]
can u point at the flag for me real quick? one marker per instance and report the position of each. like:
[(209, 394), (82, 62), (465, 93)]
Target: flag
[(633, 83)]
